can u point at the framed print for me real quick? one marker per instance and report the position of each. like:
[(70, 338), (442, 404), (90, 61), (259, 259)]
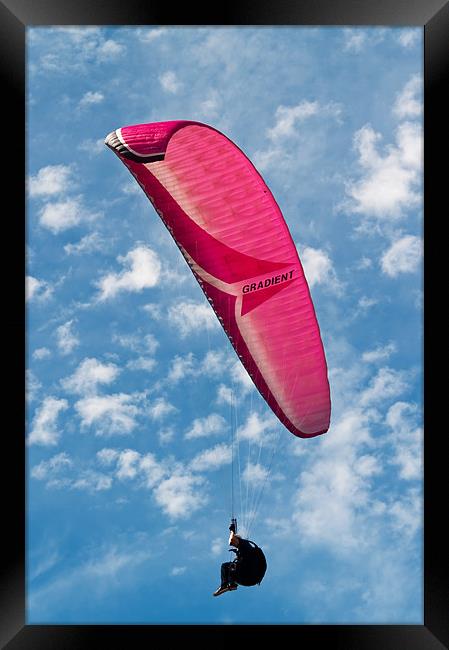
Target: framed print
[(231, 320)]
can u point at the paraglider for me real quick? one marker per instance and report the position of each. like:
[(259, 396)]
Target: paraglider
[(247, 569), (232, 234)]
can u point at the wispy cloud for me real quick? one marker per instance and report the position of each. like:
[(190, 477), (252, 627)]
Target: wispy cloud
[(142, 271), (58, 216), (211, 459), (404, 256), (160, 409), (408, 102), (41, 353), (90, 243), (188, 317), (355, 40), (390, 183), (403, 420), (408, 38), (108, 414), (151, 35), (170, 82), (257, 429), (54, 465), (91, 98), (283, 136), (388, 383), (36, 289), (50, 181), (319, 269), (44, 429), (379, 354), (77, 50), (66, 339), (89, 374), (180, 495), (212, 424)]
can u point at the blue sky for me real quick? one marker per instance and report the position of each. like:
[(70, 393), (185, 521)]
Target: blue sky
[(133, 388)]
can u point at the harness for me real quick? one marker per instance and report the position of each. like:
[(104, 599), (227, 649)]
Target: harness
[(250, 569)]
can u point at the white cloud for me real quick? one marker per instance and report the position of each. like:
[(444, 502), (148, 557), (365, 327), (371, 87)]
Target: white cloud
[(91, 481), (192, 317), (409, 101), (165, 436), (177, 489), (403, 256), (241, 379), (41, 353), (160, 409), (170, 82), (211, 107), (288, 116), (44, 430), (78, 51), (214, 364), (379, 354), (147, 364), (89, 375), (390, 183), (154, 310), (285, 130), (67, 341), (128, 464), (50, 180), (150, 343), (63, 215), (386, 384), (109, 50), (366, 303), (402, 418), (151, 35), (318, 269), (48, 468), (178, 570), (407, 513), (110, 414), (212, 424), (257, 429), (152, 470), (32, 385), (37, 289), (211, 459), (91, 98), (103, 569), (142, 271), (225, 395), (356, 39), (180, 495), (143, 343), (181, 367), (409, 37), (88, 244), (334, 489), (364, 263), (92, 147), (107, 456), (367, 465), (254, 474)]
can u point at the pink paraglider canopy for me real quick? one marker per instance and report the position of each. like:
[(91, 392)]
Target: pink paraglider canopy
[(232, 234)]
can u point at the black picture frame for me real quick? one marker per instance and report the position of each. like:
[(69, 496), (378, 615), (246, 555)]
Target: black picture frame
[(433, 17)]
